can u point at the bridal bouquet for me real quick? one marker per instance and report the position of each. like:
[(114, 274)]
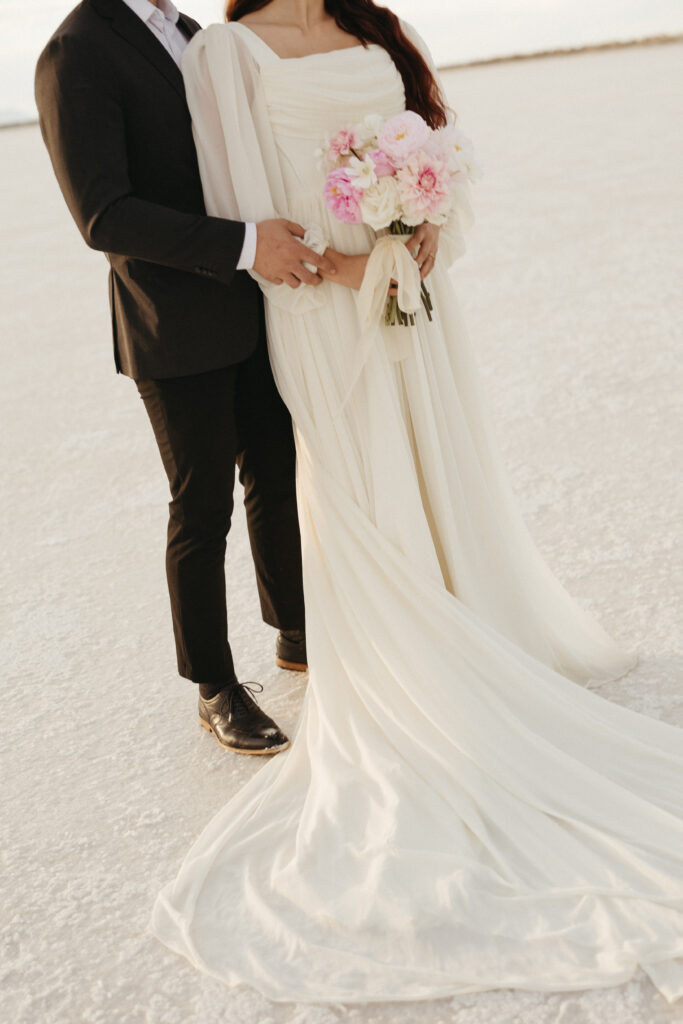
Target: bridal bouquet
[(396, 174)]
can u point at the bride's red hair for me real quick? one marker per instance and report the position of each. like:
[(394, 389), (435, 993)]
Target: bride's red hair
[(372, 24)]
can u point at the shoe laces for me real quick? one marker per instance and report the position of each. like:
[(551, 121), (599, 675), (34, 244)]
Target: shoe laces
[(239, 701)]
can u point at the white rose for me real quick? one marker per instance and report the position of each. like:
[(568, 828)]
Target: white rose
[(381, 204), (368, 130)]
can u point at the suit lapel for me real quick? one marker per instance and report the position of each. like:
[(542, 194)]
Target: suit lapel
[(131, 28)]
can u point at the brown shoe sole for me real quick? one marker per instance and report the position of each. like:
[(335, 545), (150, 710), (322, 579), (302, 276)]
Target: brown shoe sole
[(242, 750), (292, 666)]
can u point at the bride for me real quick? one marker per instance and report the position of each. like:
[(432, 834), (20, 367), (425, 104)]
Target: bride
[(458, 810)]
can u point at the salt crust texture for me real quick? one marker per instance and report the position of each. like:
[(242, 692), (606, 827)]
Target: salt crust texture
[(571, 289)]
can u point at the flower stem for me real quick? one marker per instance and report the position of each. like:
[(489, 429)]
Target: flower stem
[(394, 314)]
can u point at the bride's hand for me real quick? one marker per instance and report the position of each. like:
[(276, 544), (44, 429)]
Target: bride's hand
[(350, 270), (424, 246)]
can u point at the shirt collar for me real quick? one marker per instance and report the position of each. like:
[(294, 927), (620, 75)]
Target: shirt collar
[(145, 10)]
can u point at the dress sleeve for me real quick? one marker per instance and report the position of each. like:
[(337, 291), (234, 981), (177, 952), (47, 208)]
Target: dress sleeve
[(461, 218), (238, 159)]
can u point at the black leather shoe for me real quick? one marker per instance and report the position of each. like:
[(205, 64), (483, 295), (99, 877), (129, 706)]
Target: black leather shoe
[(238, 723), (290, 650)]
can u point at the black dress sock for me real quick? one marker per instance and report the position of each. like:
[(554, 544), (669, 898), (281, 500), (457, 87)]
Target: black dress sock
[(209, 690)]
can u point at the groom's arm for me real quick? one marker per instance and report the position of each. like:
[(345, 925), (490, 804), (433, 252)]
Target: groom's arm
[(82, 122)]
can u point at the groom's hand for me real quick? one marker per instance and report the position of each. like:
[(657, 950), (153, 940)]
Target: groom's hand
[(280, 255)]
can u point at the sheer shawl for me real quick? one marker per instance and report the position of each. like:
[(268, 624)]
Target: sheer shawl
[(238, 157), (461, 217)]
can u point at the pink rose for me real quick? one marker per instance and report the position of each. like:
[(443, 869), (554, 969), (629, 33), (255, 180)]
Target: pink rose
[(342, 198), (425, 188), (402, 136), (341, 144), (383, 165)]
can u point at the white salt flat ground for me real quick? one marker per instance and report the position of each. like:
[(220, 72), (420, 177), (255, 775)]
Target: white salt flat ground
[(572, 291)]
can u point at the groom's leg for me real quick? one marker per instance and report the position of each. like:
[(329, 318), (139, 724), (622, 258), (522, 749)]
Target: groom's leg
[(267, 464), (194, 424)]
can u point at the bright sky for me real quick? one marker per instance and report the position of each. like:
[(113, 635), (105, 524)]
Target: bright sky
[(456, 30)]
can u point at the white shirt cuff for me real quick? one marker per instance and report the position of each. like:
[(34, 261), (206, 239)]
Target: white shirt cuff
[(248, 254)]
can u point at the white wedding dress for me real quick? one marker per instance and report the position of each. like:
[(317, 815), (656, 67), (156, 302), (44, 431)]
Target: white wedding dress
[(458, 810)]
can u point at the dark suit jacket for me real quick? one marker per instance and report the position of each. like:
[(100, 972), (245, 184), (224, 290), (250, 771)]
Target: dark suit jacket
[(116, 124)]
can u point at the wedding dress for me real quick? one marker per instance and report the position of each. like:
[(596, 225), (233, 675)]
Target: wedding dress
[(458, 810)]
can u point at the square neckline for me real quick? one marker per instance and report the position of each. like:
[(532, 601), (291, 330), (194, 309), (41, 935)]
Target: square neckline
[(305, 56)]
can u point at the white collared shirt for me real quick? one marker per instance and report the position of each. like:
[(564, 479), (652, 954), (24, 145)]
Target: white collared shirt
[(162, 21)]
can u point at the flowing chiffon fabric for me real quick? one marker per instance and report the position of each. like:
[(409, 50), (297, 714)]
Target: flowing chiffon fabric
[(458, 810)]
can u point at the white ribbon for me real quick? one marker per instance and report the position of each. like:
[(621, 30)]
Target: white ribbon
[(315, 240), (390, 259)]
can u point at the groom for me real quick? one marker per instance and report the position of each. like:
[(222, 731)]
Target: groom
[(188, 327)]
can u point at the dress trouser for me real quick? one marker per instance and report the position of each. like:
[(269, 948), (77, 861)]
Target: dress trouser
[(204, 424)]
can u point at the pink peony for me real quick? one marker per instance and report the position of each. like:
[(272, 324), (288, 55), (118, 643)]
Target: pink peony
[(455, 149), (342, 198), (341, 144), (402, 136), (424, 186), (383, 165)]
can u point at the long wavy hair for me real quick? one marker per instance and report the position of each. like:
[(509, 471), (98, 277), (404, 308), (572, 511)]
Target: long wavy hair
[(373, 24)]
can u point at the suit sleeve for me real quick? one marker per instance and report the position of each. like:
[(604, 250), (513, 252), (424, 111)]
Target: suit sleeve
[(82, 123)]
